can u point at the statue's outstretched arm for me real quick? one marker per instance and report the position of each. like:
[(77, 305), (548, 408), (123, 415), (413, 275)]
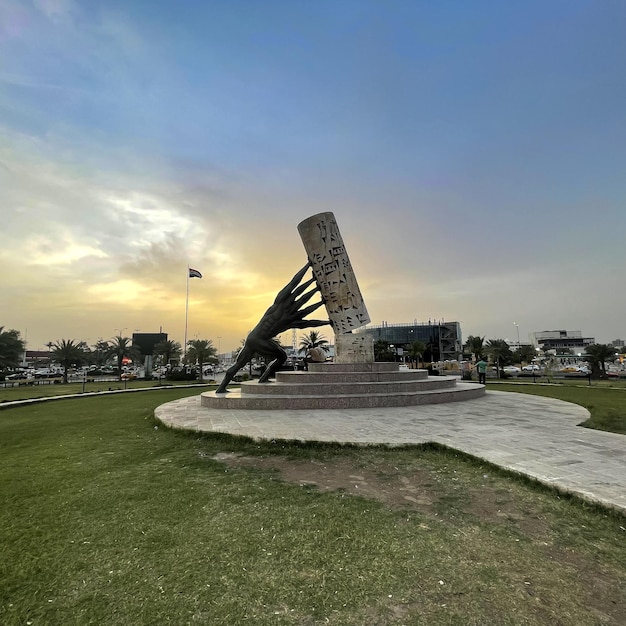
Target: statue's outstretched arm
[(310, 323), (285, 292), (302, 287), (313, 307), (295, 307)]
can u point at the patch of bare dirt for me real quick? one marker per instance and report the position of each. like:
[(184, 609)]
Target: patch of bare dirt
[(385, 484), (491, 505), (420, 491)]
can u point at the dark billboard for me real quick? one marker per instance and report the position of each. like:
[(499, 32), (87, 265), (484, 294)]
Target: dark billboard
[(145, 342)]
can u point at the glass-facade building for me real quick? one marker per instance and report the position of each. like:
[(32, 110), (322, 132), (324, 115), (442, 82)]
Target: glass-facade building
[(442, 339)]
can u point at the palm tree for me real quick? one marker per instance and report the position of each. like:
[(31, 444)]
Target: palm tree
[(201, 351), (598, 354), (68, 354), (11, 348), (101, 353), (168, 350), (122, 348), (416, 351), (499, 352), (314, 339), (474, 345)]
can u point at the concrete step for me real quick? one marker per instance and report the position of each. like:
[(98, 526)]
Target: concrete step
[(354, 367), (304, 386), (237, 400), (351, 376)]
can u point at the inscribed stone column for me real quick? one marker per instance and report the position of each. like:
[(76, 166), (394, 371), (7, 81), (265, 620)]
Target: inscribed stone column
[(337, 283)]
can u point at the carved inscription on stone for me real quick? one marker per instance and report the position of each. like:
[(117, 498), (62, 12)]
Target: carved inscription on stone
[(333, 272), (354, 348)]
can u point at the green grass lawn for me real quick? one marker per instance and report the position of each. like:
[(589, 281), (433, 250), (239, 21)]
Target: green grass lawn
[(27, 392), (108, 518)]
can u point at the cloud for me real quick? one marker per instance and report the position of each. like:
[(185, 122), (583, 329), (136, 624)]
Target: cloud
[(45, 251), (463, 187)]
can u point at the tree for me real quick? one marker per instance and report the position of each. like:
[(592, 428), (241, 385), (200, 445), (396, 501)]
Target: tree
[(382, 351), (121, 348), (499, 352), (68, 354), (597, 355), (11, 348), (100, 353), (314, 339), (168, 350), (550, 364), (416, 351), (475, 345), (201, 351), (525, 354)]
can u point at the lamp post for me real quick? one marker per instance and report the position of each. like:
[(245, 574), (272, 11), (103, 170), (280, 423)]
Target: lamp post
[(518, 343)]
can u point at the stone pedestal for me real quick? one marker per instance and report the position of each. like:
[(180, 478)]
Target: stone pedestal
[(345, 386), (351, 348)]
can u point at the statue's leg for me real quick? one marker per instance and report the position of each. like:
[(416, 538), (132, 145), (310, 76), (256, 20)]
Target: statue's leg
[(228, 376), (280, 356), (268, 371), (244, 357)]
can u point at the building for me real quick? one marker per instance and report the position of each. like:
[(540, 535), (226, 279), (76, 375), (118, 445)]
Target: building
[(442, 339), (36, 358), (144, 343), (563, 342)]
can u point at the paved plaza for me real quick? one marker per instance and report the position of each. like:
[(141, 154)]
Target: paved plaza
[(532, 435)]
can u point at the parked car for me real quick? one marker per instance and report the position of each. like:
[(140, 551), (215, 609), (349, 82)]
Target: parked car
[(17, 376), (46, 372), (511, 369), (531, 368)]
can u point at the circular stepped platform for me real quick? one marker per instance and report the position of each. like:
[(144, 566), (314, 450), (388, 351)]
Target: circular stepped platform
[(343, 386)]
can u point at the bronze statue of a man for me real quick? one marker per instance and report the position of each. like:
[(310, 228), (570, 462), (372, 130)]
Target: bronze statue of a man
[(284, 314)]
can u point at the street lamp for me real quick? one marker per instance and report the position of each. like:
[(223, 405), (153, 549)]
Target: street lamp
[(517, 327)]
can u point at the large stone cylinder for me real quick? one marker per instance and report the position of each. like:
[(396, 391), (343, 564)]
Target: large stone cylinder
[(333, 272)]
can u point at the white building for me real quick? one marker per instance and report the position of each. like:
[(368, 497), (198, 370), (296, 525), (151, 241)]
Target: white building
[(565, 342)]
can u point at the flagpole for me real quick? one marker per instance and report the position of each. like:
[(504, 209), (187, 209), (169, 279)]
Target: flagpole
[(186, 316)]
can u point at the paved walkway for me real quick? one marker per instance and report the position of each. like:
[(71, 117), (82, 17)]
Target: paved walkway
[(535, 436)]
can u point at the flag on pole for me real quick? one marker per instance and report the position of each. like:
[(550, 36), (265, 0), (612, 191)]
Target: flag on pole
[(194, 273)]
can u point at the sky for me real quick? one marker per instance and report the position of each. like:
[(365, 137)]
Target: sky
[(473, 153)]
